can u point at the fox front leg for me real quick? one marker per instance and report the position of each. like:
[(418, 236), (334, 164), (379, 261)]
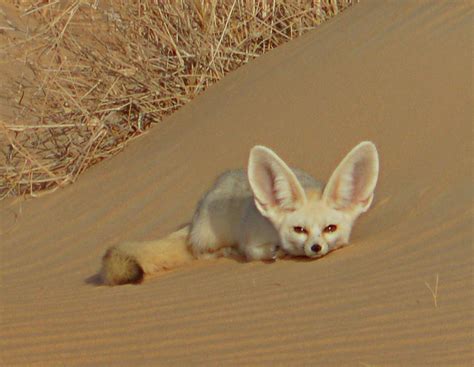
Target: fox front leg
[(267, 251)]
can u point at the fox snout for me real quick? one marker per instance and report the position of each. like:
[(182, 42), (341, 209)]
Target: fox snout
[(315, 249)]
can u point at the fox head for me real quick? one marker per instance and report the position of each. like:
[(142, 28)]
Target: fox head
[(311, 223)]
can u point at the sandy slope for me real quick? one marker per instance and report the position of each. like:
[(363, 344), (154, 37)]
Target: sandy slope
[(397, 73)]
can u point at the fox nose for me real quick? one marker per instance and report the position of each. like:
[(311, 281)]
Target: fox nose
[(316, 248)]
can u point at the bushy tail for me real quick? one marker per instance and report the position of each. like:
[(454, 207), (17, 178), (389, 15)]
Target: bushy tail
[(128, 262)]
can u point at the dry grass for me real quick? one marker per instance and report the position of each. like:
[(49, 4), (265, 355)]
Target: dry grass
[(104, 72), (434, 291)]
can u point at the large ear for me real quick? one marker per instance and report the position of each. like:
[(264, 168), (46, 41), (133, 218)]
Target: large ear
[(351, 186), (275, 187)]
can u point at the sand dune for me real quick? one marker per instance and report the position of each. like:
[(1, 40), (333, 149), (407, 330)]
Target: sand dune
[(397, 73)]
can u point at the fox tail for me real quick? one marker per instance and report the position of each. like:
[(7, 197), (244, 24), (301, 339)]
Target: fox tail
[(129, 262)]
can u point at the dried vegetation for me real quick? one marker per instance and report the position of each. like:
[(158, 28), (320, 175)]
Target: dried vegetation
[(103, 72)]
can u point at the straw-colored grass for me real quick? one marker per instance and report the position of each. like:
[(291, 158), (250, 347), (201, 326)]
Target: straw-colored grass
[(106, 71)]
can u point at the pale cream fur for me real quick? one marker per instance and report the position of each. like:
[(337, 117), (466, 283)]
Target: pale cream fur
[(269, 212)]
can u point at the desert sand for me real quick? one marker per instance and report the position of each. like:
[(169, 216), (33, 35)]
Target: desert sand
[(398, 73)]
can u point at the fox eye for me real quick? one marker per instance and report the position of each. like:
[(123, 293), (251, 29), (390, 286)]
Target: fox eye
[(330, 228), (299, 229)]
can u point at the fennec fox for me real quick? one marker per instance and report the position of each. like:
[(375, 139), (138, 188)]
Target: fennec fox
[(270, 212)]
